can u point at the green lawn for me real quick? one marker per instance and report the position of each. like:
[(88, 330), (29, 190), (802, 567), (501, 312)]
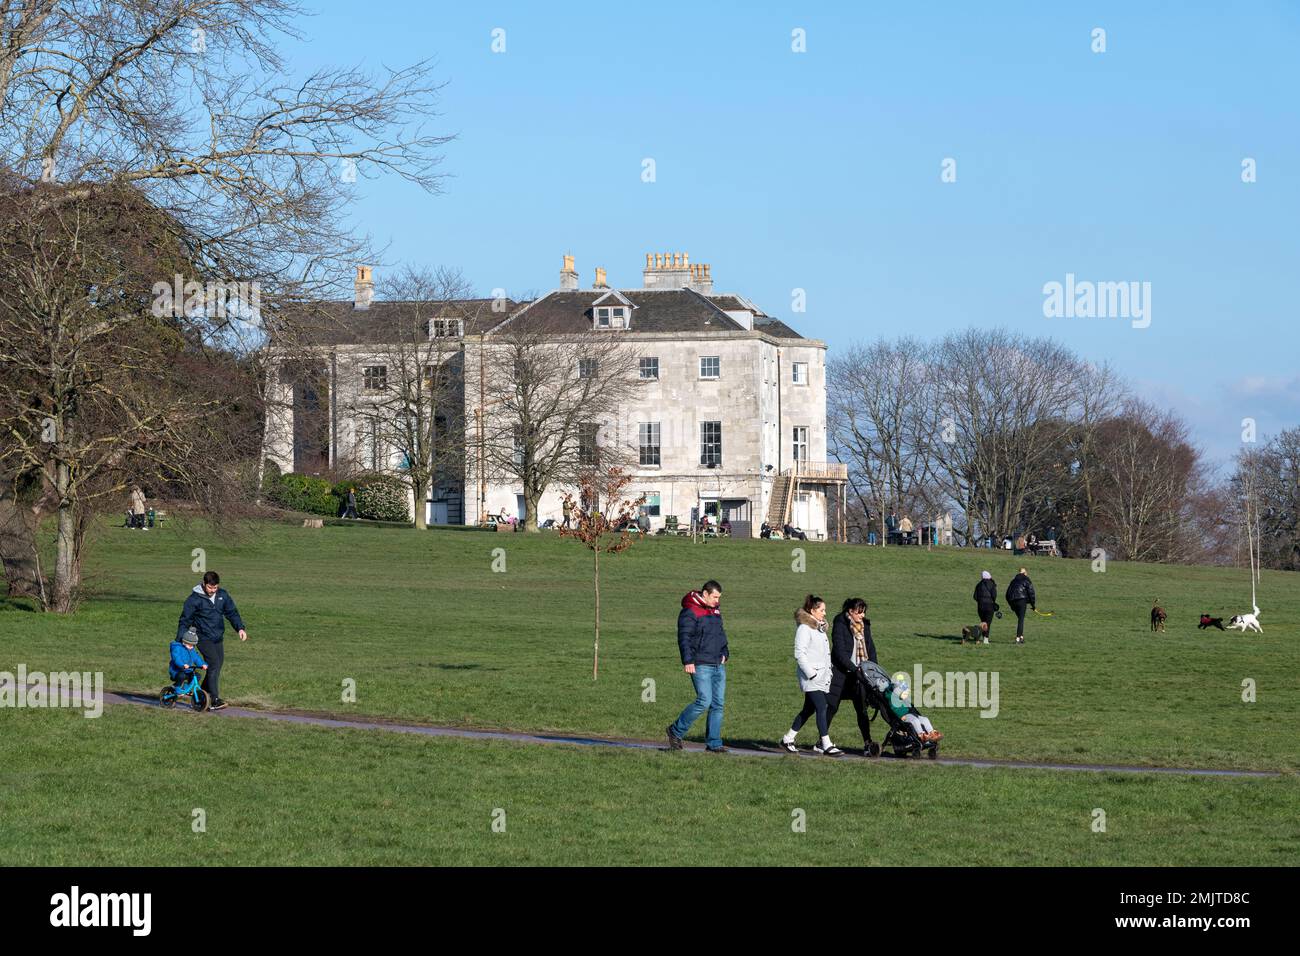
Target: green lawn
[(431, 634), (122, 790)]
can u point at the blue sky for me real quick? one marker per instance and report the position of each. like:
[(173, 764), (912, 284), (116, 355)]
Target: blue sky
[(821, 170)]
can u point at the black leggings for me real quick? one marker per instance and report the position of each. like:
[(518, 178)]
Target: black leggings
[(847, 685), (1019, 608), (814, 701), (214, 652), (986, 617)]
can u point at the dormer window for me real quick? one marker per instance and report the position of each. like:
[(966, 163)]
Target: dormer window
[(446, 328), (613, 310), (611, 317)]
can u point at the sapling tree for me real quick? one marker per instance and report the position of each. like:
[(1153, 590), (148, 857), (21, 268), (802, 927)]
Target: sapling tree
[(605, 522)]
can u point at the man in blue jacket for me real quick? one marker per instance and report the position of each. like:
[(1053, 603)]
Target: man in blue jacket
[(207, 609), (703, 646)]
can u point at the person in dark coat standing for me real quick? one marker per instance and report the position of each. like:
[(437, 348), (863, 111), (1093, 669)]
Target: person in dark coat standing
[(1020, 593), (851, 644), (207, 609), (986, 602), (703, 646)]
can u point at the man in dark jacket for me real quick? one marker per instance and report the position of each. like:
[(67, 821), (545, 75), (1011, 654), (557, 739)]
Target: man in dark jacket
[(986, 602), (703, 646), (1020, 592), (851, 644), (207, 609)]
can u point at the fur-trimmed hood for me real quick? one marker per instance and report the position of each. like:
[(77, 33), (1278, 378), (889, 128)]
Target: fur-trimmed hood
[(803, 617)]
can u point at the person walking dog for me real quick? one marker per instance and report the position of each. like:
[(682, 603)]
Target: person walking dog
[(986, 602), (1020, 592), (851, 644), (703, 646), (207, 609), (812, 654)]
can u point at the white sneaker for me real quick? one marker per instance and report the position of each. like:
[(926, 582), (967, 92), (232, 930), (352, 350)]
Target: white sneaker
[(831, 751), (986, 640)]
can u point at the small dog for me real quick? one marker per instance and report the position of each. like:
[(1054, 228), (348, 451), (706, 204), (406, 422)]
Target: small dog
[(1244, 622), (1207, 621), (1158, 616)]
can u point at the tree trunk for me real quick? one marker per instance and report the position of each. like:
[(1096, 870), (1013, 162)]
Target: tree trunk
[(421, 490), (595, 657), (67, 568), (531, 502)]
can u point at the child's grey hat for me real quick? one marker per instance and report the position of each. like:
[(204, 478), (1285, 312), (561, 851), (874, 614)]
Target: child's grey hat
[(191, 636)]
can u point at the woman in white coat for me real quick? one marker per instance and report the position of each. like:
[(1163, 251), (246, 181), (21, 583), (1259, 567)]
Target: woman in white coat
[(812, 654)]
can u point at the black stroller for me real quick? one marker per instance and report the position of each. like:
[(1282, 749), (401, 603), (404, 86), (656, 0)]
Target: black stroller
[(878, 687)]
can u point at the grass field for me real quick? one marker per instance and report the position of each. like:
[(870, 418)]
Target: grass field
[(430, 633)]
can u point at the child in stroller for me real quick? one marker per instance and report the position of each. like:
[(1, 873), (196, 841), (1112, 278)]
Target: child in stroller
[(910, 732)]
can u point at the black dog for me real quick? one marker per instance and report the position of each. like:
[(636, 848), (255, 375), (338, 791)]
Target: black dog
[(1207, 621)]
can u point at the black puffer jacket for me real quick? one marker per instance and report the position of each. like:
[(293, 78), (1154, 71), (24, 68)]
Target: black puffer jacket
[(1021, 589), (986, 592), (842, 643)]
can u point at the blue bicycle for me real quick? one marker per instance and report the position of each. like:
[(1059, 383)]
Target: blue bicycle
[(191, 687)]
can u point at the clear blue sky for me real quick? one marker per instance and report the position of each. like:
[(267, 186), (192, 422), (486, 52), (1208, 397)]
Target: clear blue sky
[(821, 170)]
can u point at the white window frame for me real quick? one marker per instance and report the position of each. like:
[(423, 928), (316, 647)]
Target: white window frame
[(585, 363), (641, 368), (704, 456), (372, 374), (795, 369), (603, 317), (650, 436), (800, 441), (717, 359)]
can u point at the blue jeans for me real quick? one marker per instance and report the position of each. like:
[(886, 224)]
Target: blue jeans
[(710, 682)]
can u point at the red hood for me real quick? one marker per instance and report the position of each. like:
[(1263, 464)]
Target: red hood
[(696, 606)]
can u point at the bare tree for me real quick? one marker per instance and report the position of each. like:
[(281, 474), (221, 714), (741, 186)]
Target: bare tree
[(421, 405), (546, 407), (185, 103), (995, 396), (96, 392), (604, 520), (883, 423), (1146, 477)]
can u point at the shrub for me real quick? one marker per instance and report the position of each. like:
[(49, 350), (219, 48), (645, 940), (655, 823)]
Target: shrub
[(382, 498), (303, 493)]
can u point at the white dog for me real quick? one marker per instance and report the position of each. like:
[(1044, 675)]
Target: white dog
[(1245, 622)]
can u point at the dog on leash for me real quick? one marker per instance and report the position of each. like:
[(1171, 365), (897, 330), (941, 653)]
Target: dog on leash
[(1245, 622), (1207, 621), (1158, 616)]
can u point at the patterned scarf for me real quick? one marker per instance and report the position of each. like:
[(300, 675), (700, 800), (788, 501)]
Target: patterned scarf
[(859, 642)]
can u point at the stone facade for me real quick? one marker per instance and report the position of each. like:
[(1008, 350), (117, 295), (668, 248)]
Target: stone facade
[(721, 363)]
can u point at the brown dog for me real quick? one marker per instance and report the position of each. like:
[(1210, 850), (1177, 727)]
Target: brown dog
[(1158, 616)]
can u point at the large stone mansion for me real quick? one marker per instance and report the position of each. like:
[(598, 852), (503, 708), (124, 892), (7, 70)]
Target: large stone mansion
[(728, 418)]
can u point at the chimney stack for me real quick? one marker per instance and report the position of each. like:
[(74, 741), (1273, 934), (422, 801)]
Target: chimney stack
[(600, 282), (363, 289), (674, 270), (568, 275)]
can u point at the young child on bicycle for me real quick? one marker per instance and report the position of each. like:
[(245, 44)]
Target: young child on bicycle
[(185, 658)]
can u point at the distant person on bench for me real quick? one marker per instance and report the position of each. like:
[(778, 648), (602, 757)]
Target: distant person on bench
[(791, 531)]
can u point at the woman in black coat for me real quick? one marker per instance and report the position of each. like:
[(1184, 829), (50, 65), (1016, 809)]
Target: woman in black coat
[(1020, 592), (850, 644), (986, 602)]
